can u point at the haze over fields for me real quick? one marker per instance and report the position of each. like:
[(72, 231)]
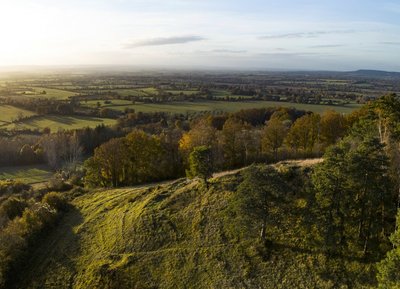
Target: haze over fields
[(254, 34)]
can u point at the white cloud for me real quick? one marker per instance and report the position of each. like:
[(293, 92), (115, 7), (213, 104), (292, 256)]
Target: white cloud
[(164, 41)]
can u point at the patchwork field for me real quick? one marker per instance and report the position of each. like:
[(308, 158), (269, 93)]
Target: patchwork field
[(55, 122), (39, 92), (184, 107), (142, 92), (54, 93), (9, 113)]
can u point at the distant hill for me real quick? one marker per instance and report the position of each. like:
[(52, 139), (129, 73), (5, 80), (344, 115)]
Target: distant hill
[(373, 73), (182, 235)]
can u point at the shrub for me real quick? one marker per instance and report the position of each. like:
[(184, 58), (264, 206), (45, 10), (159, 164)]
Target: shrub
[(12, 187), (13, 207), (57, 184), (55, 200)]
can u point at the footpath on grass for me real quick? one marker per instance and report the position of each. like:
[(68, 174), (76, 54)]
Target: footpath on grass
[(300, 163)]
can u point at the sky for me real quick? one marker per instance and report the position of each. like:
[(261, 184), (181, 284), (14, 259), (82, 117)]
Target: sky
[(202, 34)]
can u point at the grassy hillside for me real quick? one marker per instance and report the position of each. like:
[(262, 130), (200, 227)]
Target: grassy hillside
[(182, 235)]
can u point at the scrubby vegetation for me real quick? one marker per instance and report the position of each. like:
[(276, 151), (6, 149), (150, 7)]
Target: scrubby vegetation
[(24, 219)]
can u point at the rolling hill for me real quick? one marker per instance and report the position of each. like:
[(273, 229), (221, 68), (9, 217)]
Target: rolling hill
[(180, 234), (368, 73)]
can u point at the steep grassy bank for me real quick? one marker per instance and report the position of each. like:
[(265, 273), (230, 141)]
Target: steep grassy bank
[(182, 235)]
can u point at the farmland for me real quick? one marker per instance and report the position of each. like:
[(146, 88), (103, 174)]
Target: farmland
[(9, 113), (22, 91), (52, 93), (56, 122), (26, 174), (75, 101), (188, 107)]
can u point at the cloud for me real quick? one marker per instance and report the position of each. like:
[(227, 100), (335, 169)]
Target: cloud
[(288, 54), (312, 34), (390, 43), (228, 51), (327, 46), (164, 41)]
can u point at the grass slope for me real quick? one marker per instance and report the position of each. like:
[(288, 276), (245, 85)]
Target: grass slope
[(26, 174), (180, 235)]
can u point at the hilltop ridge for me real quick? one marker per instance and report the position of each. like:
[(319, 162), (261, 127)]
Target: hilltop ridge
[(179, 234)]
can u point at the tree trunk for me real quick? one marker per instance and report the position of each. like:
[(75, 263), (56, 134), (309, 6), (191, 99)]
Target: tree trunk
[(262, 232), (367, 236), (206, 182)]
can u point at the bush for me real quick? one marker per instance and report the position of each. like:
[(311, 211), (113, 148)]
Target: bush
[(76, 179), (12, 187), (57, 184), (76, 192), (13, 207), (55, 200)]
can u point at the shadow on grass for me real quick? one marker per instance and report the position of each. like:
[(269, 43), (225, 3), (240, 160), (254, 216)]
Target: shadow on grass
[(297, 249), (54, 249)]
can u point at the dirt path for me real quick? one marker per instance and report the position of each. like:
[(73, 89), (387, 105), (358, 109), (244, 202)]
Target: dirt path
[(300, 163)]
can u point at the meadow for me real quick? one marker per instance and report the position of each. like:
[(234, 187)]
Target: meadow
[(57, 122), (23, 91), (53, 93), (142, 92), (27, 174), (9, 113), (198, 106)]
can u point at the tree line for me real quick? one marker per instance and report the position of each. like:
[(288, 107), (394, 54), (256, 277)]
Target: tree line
[(234, 140)]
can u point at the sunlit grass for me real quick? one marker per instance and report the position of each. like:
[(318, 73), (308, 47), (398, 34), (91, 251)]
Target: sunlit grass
[(26, 174), (197, 106), (56, 122)]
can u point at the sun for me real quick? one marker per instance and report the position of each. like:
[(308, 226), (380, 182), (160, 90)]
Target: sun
[(26, 33)]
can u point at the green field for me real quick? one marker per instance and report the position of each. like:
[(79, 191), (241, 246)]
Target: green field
[(9, 113), (183, 107), (53, 93), (37, 92), (114, 103), (55, 122), (181, 235), (150, 91), (26, 174), (220, 93), (141, 92), (185, 92)]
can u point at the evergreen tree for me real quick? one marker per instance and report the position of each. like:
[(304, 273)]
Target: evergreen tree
[(257, 193), (371, 185), (354, 196), (389, 268), (200, 163), (332, 196)]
